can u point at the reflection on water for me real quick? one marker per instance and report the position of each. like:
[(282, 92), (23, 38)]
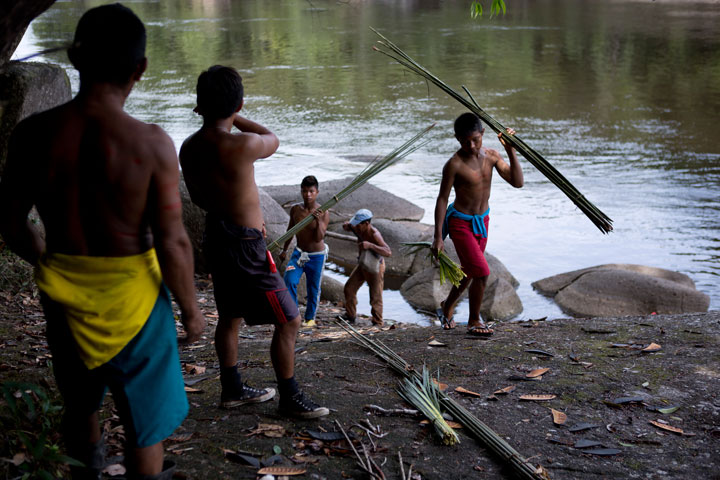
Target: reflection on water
[(623, 97)]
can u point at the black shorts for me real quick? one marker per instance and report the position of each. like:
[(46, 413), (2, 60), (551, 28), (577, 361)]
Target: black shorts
[(244, 285)]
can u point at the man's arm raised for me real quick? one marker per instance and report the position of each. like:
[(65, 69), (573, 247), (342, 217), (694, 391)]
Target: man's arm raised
[(512, 173), (261, 143), (171, 240), (448, 178)]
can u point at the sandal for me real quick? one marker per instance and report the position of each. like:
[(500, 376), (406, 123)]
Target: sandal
[(480, 331), (445, 322)]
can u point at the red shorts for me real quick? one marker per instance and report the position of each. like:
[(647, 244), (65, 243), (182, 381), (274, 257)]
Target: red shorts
[(470, 247)]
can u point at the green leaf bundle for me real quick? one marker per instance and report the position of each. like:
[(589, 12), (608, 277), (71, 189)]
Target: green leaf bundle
[(449, 270), (521, 467), (601, 221), (368, 172), (424, 395)]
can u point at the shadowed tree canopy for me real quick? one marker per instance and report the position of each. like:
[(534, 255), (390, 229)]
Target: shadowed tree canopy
[(15, 16)]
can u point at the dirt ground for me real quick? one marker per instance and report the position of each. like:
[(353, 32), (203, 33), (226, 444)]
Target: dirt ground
[(597, 372)]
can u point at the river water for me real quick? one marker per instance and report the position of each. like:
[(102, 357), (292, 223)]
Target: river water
[(622, 96)]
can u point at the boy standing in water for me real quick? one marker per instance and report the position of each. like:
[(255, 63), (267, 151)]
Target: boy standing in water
[(218, 167), (469, 172), (371, 266), (106, 188), (311, 252)]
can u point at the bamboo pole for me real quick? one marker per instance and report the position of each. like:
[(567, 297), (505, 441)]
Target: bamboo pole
[(520, 466), (601, 221), (368, 172)]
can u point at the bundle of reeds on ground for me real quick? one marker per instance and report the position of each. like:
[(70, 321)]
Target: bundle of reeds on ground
[(449, 270), (368, 172), (521, 467), (601, 221), (424, 394)]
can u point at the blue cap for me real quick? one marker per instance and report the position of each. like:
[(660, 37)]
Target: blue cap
[(360, 216)]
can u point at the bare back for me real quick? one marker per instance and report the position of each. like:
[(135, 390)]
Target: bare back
[(97, 176), (219, 172)]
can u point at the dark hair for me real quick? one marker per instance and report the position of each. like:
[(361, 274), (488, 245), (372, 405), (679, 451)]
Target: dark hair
[(219, 92), (467, 124), (309, 181), (109, 44)]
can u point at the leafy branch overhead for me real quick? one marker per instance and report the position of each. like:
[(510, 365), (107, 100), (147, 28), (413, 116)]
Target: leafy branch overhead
[(476, 8)]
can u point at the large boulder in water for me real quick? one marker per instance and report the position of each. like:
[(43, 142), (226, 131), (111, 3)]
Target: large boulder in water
[(623, 289), (500, 302), (383, 204), (27, 88)]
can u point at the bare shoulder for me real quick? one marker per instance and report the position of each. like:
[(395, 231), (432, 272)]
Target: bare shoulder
[(493, 155)]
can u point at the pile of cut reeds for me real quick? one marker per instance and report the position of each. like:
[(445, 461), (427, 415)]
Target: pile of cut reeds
[(601, 221), (520, 466), (424, 394), (368, 172)]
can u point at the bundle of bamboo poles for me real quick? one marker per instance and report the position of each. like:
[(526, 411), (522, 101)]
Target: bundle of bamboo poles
[(521, 467), (601, 221), (368, 172)]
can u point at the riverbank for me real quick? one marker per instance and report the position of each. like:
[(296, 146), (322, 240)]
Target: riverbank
[(596, 368)]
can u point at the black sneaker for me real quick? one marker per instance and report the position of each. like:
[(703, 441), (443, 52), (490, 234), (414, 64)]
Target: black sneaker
[(301, 406), (247, 395)]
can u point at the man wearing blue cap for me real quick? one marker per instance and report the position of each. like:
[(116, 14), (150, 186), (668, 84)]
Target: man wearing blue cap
[(371, 266)]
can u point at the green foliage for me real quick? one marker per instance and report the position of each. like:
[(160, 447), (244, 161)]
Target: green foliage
[(476, 8), (30, 420)]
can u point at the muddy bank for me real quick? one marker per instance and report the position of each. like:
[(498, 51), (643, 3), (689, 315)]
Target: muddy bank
[(598, 374)]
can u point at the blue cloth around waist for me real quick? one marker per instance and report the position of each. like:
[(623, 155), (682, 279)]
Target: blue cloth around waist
[(478, 221)]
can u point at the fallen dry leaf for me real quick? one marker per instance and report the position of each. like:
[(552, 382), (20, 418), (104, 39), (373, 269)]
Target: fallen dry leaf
[(653, 347), (193, 390), (539, 398), (450, 423), (18, 459), (467, 392), (538, 372), (559, 418), (669, 428), (268, 430), (505, 390), (435, 343), (441, 386), (194, 369), (282, 471)]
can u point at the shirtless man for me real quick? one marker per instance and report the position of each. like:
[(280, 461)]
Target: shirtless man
[(470, 171), (106, 188), (371, 266), (311, 252), (218, 167)]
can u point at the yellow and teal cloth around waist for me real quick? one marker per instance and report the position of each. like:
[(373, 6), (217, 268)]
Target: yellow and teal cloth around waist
[(107, 300)]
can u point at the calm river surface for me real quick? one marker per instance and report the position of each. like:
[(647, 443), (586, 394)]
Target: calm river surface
[(623, 97)]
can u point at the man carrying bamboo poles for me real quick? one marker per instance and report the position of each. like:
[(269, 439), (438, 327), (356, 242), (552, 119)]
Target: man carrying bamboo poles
[(469, 172), (219, 171), (371, 266), (311, 252)]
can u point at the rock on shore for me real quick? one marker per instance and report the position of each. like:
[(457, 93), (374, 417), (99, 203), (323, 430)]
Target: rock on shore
[(623, 289)]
